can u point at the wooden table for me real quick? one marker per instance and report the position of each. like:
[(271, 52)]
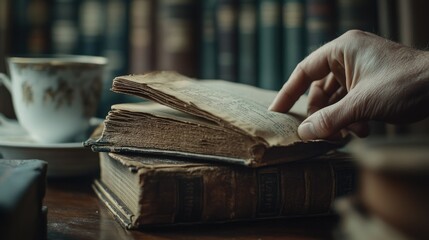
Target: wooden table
[(74, 212)]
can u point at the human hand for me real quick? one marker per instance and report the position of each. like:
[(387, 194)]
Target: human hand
[(355, 78)]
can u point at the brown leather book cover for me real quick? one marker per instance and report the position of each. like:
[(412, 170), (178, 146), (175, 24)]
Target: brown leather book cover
[(154, 191)]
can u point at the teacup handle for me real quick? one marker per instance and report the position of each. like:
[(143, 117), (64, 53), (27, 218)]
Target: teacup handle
[(5, 80)]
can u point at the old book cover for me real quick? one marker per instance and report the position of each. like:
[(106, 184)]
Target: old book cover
[(213, 120), (146, 190), (22, 189)]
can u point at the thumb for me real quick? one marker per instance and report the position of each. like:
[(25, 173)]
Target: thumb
[(327, 121)]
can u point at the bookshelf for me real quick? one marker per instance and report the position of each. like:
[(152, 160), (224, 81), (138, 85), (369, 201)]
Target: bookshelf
[(258, 42)]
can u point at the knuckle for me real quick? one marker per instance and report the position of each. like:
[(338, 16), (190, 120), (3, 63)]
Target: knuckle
[(354, 33)]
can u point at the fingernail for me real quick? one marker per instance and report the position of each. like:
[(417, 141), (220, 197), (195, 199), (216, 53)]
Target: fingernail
[(306, 131)]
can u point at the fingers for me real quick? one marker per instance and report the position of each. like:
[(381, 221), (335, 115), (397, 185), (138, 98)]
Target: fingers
[(313, 68), (328, 121), (321, 93)]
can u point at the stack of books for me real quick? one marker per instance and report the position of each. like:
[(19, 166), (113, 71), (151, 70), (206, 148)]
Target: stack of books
[(211, 152)]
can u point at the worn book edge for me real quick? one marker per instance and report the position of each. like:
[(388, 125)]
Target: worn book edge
[(296, 151), (116, 207), (343, 183), (122, 214)]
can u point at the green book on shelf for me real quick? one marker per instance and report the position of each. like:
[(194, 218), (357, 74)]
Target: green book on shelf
[(294, 43), (269, 24), (22, 188), (247, 43), (208, 53), (226, 28), (144, 190)]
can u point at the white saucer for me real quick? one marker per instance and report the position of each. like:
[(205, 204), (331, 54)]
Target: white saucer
[(64, 159)]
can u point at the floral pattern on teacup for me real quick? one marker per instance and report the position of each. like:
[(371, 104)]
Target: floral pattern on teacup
[(63, 94), (27, 93), (91, 96)]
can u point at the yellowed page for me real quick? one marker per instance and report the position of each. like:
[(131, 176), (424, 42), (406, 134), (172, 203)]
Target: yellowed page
[(243, 106)]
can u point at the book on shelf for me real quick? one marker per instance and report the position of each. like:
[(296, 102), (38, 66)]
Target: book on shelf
[(294, 41), (215, 120), (144, 190), (360, 15), (387, 19), (226, 22), (115, 49), (269, 46), (65, 27), (247, 42), (22, 189), (208, 49), (176, 35), (320, 22), (142, 36), (91, 20), (412, 17)]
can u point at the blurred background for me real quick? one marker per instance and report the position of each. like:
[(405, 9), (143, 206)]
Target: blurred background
[(258, 42)]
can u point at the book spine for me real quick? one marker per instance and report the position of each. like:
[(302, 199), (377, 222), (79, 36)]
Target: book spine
[(320, 24), (353, 14), (177, 36), (30, 22), (226, 23), (412, 26), (91, 27), (142, 40), (219, 194), (142, 36), (39, 27), (19, 26), (208, 40), (115, 50), (387, 14), (293, 35), (247, 43), (65, 29), (269, 24)]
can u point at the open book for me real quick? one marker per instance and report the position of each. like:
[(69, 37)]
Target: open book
[(211, 119)]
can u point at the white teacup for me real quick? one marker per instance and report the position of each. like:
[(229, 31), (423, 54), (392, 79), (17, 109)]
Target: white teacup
[(54, 97)]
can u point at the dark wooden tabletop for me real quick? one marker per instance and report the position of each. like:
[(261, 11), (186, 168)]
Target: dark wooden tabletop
[(74, 212)]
